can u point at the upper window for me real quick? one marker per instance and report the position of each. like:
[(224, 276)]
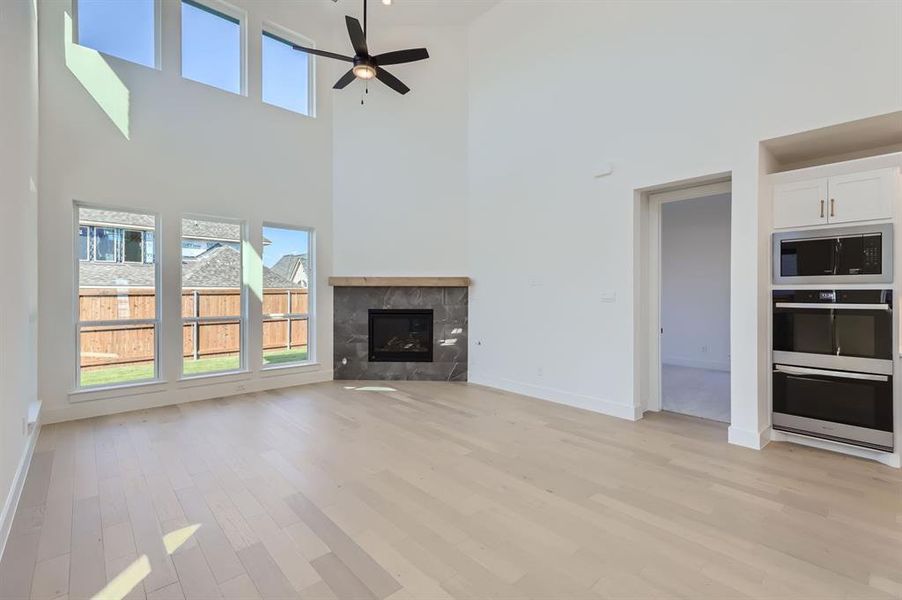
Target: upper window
[(123, 29), (118, 315), (287, 279), (211, 46), (286, 75)]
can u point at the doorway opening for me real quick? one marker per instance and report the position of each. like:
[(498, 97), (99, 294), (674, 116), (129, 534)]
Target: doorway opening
[(684, 296)]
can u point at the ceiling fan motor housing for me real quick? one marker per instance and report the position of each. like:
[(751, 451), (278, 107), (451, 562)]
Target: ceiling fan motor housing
[(364, 67)]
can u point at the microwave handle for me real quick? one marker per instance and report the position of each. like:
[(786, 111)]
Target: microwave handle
[(833, 306), (840, 374)]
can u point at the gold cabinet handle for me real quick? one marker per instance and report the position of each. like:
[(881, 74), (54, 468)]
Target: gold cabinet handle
[(832, 207), (822, 209)]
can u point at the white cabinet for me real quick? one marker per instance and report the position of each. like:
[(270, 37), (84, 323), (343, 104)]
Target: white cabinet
[(801, 203), (864, 196)]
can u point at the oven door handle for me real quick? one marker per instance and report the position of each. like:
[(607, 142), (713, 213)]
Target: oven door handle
[(839, 374), (833, 306)]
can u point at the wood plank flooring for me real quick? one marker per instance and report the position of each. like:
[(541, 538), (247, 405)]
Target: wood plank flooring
[(409, 490)]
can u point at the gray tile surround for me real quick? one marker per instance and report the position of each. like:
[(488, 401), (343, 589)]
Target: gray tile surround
[(351, 317)]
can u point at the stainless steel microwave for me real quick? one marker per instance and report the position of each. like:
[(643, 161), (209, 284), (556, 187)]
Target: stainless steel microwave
[(862, 254)]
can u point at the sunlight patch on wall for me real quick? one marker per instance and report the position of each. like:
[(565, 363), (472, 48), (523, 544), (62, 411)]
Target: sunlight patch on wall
[(98, 78), (123, 583)]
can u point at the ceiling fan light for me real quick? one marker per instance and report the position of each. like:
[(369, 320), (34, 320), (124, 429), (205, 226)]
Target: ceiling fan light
[(364, 71)]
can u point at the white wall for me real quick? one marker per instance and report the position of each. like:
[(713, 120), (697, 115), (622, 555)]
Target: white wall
[(400, 161), (191, 148), (18, 243), (665, 91), (695, 278)]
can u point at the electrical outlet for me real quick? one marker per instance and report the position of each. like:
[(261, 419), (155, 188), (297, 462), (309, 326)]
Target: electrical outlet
[(540, 371), (704, 349), (240, 388)]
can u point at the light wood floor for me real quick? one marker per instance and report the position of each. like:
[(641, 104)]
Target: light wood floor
[(441, 491)]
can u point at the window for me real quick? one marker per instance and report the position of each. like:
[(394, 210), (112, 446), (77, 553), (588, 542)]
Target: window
[(287, 280), (212, 298), (83, 242), (118, 315), (211, 47), (133, 246), (286, 75), (106, 242), (126, 30), (148, 247)]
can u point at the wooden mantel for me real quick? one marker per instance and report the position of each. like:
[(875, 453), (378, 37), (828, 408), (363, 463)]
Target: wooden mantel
[(399, 281)]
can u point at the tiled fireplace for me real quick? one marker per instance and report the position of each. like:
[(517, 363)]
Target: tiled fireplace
[(395, 329)]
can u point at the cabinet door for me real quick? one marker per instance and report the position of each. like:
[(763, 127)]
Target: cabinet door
[(862, 196), (800, 203)]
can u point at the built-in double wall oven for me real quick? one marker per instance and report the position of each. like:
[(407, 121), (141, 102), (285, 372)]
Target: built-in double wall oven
[(833, 364)]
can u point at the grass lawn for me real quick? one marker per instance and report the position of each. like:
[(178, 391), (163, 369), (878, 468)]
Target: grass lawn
[(116, 375), (279, 357)]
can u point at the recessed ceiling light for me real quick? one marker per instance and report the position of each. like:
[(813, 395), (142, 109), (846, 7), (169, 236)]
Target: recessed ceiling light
[(386, 2)]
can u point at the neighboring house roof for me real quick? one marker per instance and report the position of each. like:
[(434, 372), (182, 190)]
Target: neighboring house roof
[(191, 228), (218, 267), (213, 230), (93, 216), (293, 267), (99, 274)]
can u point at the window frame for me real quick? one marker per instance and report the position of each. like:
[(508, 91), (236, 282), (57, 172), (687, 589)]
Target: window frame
[(76, 313), (310, 315), (243, 292), (157, 36), (287, 36), (227, 11)]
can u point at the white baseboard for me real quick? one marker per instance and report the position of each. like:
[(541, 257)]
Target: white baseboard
[(692, 363), (889, 459), (201, 389), (749, 439), (15, 492), (591, 403)]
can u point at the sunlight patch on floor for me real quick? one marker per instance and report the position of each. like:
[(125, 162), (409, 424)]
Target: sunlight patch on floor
[(370, 388), (174, 539), (122, 585)]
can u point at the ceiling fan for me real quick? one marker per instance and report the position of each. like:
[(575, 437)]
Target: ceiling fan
[(365, 66)]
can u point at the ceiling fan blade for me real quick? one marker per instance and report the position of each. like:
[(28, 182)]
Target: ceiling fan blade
[(358, 40), (401, 56), (324, 53), (345, 80), (391, 81)]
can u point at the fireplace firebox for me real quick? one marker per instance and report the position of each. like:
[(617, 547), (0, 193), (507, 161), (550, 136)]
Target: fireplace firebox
[(400, 335)]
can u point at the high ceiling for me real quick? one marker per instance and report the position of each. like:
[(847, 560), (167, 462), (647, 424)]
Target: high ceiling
[(411, 12)]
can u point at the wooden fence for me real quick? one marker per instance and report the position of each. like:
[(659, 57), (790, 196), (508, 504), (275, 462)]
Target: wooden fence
[(126, 344)]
